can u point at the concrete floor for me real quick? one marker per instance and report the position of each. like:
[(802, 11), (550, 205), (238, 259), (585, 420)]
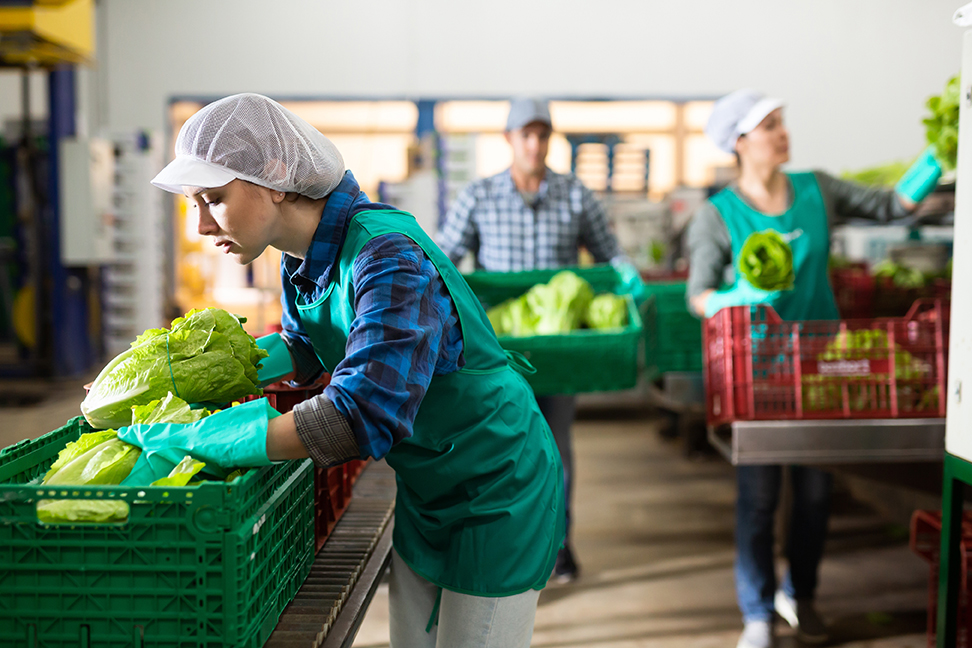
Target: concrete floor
[(654, 537)]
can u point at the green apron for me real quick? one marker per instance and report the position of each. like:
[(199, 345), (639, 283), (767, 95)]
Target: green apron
[(480, 504), (806, 228)]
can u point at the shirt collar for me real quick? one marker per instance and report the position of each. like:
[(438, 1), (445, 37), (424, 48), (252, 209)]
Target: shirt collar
[(510, 187), (314, 272)]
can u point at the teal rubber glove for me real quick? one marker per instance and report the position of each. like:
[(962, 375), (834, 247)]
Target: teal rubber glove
[(741, 294), (232, 438), (631, 281), (278, 364), (921, 177)]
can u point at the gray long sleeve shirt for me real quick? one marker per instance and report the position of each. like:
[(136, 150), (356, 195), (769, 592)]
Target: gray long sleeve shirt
[(710, 247)]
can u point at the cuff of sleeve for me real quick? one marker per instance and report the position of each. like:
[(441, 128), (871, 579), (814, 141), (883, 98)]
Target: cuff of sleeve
[(325, 432)]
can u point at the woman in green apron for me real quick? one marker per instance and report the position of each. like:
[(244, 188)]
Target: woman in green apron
[(417, 376), (802, 208)]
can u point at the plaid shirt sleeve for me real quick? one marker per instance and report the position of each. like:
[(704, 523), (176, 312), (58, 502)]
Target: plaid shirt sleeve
[(595, 232), (406, 329), (458, 234)]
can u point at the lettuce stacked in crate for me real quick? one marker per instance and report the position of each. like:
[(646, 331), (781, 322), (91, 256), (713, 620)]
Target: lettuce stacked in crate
[(187, 561), (574, 326)]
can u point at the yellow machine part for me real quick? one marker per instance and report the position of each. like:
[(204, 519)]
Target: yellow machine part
[(47, 32), (25, 317)]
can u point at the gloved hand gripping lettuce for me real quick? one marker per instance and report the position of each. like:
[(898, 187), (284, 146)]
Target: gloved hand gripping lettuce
[(101, 458), (205, 357)]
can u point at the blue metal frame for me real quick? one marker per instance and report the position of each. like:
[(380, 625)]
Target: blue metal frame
[(66, 299)]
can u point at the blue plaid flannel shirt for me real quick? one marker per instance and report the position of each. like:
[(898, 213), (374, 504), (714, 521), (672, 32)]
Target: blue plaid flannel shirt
[(490, 219), (405, 331)]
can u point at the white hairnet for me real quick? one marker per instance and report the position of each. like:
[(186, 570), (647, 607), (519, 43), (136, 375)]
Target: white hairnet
[(252, 137), (736, 114)]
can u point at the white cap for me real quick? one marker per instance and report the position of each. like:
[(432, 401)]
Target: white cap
[(251, 137), (737, 114)]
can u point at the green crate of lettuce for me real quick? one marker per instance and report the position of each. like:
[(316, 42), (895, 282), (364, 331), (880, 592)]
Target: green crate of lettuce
[(205, 555), (572, 325)]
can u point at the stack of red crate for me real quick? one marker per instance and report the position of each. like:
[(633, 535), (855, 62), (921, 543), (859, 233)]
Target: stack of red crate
[(926, 531), (332, 486)]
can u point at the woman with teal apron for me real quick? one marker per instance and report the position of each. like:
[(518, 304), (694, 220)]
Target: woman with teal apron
[(801, 208), (417, 376)]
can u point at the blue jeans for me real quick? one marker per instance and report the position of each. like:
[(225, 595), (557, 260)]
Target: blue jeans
[(758, 495), (559, 412)]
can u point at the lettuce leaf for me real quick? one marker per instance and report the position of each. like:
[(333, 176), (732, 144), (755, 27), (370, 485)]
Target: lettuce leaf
[(182, 473), (108, 462), (82, 511), (205, 356), (170, 409)]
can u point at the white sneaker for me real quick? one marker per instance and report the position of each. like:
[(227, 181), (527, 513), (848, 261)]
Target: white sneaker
[(802, 617), (757, 634)]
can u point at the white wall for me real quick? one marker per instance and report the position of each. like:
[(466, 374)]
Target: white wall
[(855, 72)]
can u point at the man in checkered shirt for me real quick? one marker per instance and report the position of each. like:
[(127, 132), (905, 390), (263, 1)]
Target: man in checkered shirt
[(529, 218)]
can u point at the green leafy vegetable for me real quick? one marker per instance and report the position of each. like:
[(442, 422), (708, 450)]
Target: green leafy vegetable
[(941, 128), (206, 356), (766, 261), (901, 276), (96, 458), (170, 409), (558, 306), (106, 462), (182, 473), (883, 175), (607, 311), (872, 391)]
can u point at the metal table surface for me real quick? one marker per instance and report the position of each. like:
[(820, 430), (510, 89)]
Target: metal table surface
[(830, 441), (329, 607)]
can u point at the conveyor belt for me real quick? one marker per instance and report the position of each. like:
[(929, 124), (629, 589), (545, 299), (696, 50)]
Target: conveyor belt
[(328, 608)]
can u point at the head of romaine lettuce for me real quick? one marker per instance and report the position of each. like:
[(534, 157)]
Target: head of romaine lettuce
[(766, 261), (607, 311), (207, 356)]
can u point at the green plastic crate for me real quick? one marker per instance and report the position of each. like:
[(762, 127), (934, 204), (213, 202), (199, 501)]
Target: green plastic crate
[(674, 335), (577, 362), (207, 565)]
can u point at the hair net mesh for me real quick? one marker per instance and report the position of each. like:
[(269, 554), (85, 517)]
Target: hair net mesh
[(260, 141)]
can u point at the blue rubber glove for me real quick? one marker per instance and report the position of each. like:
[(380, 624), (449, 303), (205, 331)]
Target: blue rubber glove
[(278, 364), (921, 177), (631, 281), (742, 293), (232, 438)]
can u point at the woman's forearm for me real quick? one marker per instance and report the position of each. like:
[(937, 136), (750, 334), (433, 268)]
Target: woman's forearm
[(282, 440)]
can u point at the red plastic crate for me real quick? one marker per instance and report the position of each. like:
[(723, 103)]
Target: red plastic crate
[(853, 288), (758, 367), (926, 531), (332, 486)]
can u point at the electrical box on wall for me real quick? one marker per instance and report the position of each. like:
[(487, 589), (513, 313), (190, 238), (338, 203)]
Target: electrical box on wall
[(87, 169)]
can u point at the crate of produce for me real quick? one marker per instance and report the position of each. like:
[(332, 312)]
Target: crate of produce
[(207, 565), (759, 367), (673, 336), (860, 294), (583, 360), (332, 486), (925, 541)]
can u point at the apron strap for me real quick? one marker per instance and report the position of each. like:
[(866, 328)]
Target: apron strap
[(434, 618), (516, 360)]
